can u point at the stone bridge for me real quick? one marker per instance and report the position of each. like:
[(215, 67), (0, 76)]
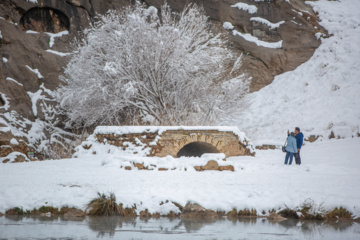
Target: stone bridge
[(175, 141)]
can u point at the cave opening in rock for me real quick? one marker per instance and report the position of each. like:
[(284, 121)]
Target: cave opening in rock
[(196, 149), (45, 19), (2, 101)]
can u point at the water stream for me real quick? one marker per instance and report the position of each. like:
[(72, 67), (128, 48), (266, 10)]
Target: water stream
[(165, 228)]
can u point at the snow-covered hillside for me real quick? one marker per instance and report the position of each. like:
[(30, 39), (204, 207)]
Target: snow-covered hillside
[(321, 95)]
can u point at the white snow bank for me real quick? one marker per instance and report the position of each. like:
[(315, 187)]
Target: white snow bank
[(13, 80), (266, 22), (38, 95), (329, 175), (36, 71), (58, 53), (321, 94), (246, 7), (13, 141), (12, 156), (251, 38), (55, 35), (228, 26), (35, 97), (31, 32), (6, 106)]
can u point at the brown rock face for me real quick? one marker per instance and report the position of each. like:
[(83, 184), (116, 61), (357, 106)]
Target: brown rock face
[(21, 49), (44, 19), (23, 53), (297, 33)]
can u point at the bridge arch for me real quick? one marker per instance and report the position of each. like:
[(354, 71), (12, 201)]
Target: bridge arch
[(194, 145), (175, 141), (196, 149)]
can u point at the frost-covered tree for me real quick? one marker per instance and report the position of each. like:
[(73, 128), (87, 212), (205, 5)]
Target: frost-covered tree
[(139, 65)]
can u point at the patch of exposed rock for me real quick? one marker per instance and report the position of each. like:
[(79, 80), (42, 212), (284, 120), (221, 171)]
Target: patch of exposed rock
[(195, 211), (210, 165), (213, 165), (34, 49)]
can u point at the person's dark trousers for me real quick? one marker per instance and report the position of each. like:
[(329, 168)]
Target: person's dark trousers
[(297, 158)]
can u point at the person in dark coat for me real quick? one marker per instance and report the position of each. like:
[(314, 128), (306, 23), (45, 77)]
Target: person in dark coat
[(291, 148), (299, 142)]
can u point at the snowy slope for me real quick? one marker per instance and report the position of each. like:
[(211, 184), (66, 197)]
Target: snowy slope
[(321, 95)]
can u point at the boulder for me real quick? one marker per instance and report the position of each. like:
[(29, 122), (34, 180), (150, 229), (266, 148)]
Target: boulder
[(211, 165), (199, 168), (227, 168), (140, 166), (193, 210)]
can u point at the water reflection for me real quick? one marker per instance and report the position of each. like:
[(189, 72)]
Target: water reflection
[(41, 227), (107, 225)]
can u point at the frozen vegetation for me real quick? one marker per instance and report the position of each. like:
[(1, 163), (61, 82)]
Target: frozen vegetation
[(151, 70)]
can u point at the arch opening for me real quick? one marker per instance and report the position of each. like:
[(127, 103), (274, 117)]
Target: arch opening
[(45, 19), (2, 101), (196, 149)]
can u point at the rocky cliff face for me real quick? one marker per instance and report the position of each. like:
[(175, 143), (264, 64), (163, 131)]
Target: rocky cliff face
[(274, 35), (291, 22)]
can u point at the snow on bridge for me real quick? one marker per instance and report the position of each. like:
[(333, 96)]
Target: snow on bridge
[(175, 141)]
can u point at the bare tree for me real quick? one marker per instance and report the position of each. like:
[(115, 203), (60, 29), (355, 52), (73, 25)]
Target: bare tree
[(141, 66)]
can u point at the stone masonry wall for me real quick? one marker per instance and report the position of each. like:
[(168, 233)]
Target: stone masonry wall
[(170, 142)]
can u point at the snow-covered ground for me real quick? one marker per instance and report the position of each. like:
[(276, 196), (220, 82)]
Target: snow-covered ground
[(329, 176), (321, 95)]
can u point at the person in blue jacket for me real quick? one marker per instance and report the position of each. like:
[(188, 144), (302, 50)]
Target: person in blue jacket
[(291, 148), (299, 142)]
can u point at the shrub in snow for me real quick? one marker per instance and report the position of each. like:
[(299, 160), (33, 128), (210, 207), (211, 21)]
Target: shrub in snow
[(55, 142), (104, 206), (141, 66)]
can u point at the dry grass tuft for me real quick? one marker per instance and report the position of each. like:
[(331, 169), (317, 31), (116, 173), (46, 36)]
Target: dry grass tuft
[(15, 211), (232, 214), (339, 213), (247, 212), (46, 209), (104, 206)]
